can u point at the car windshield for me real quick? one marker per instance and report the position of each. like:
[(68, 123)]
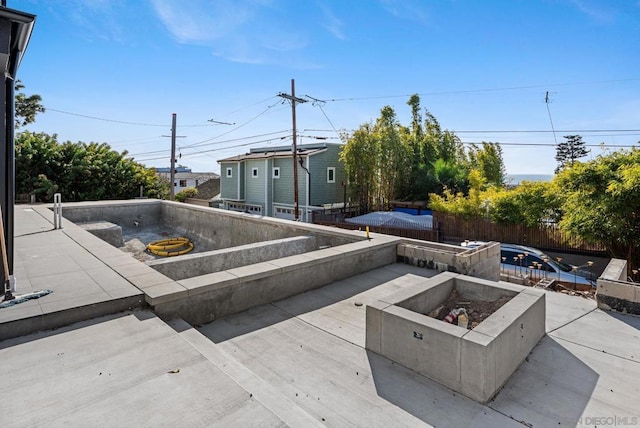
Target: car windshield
[(559, 265)]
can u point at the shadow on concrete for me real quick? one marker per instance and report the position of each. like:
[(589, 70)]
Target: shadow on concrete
[(552, 388), (264, 316), (629, 319), (427, 400)]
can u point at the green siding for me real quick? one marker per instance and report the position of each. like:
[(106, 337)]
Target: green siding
[(283, 186), (255, 185), (229, 186), (264, 190), (321, 191)]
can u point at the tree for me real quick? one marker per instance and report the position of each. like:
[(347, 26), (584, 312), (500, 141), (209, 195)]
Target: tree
[(393, 156), (470, 205), (79, 171), (601, 201), (567, 152), (530, 203), (450, 176), (359, 157), (488, 160), (26, 107)]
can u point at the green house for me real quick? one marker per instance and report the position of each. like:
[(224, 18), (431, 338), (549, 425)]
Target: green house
[(261, 182)]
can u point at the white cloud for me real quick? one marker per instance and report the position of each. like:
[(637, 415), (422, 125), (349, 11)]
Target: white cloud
[(97, 19), (411, 10), (247, 31), (599, 13), (332, 23)]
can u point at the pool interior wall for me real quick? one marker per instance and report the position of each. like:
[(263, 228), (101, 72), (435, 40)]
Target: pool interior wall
[(223, 239)]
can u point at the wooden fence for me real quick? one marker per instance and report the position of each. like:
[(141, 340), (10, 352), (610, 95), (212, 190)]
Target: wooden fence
[(548, 238)]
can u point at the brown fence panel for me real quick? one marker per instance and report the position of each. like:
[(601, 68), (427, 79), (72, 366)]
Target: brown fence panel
[(549, 238)]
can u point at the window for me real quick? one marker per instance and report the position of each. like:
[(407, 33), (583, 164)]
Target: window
[(254, 172), (331, 174), (229, 172), (183, 183), (276, 172)]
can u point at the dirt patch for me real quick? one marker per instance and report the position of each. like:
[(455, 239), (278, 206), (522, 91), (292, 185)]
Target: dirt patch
[(476, 310)]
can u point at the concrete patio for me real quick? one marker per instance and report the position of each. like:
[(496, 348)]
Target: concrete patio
[(300, 361)]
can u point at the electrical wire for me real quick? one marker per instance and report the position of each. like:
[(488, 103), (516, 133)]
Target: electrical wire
[(469, 91), (104, 119), (124, 122), (217, 142), (200, 143), (211, 150)]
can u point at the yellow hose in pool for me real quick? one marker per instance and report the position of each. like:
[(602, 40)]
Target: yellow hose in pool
[(170, 247)]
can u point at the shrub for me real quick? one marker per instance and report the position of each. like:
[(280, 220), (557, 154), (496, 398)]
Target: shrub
[(189, 192)]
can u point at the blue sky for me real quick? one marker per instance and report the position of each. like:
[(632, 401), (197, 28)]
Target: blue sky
[(478, 66)]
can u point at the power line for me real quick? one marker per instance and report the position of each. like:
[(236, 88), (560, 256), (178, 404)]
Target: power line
[(144, 159), (124, 122), (216, 142), (468, 91), (319, 103), (199, 143), (514, 131), (546, 101), (106, 120)]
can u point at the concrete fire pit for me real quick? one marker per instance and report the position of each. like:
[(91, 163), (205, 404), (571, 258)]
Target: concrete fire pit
[(476, 363)]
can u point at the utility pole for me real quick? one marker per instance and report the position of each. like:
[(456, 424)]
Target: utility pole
[(173, 155), (294, 100)]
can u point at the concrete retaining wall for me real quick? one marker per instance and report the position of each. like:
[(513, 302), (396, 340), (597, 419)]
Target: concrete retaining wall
[(108, 232), (216, 295), (145, 212), (614, 293), (212, 228), (228, 229), (480, 262), (190, 265)]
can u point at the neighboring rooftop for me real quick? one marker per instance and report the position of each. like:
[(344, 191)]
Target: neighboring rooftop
[(277, 152), (299, 361)]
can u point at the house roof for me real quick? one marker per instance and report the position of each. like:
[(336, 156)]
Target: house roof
[(200, 176), (277, 152)]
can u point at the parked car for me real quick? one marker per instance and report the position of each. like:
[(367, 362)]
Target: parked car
[(518, 260)]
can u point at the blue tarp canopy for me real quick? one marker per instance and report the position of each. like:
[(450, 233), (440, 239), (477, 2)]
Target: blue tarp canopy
[(393, 219)]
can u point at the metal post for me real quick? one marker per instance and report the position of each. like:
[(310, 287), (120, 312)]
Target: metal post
[(173, 155), (57, 211)]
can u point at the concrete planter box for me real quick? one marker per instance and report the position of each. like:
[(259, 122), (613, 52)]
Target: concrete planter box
[(476, 363)]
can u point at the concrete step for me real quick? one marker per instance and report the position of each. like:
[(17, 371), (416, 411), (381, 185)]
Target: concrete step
[(266, 394), (127, 369), (545, 283)]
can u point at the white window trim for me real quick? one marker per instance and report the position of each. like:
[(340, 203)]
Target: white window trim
[(254, 173), (229, 172), (276, 172), (331, 169)]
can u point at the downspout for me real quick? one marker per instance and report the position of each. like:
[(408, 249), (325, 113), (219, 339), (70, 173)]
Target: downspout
[(266, 187), (308, 185), (238, 186)]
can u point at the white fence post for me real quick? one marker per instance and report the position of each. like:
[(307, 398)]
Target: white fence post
[(57, 211)]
